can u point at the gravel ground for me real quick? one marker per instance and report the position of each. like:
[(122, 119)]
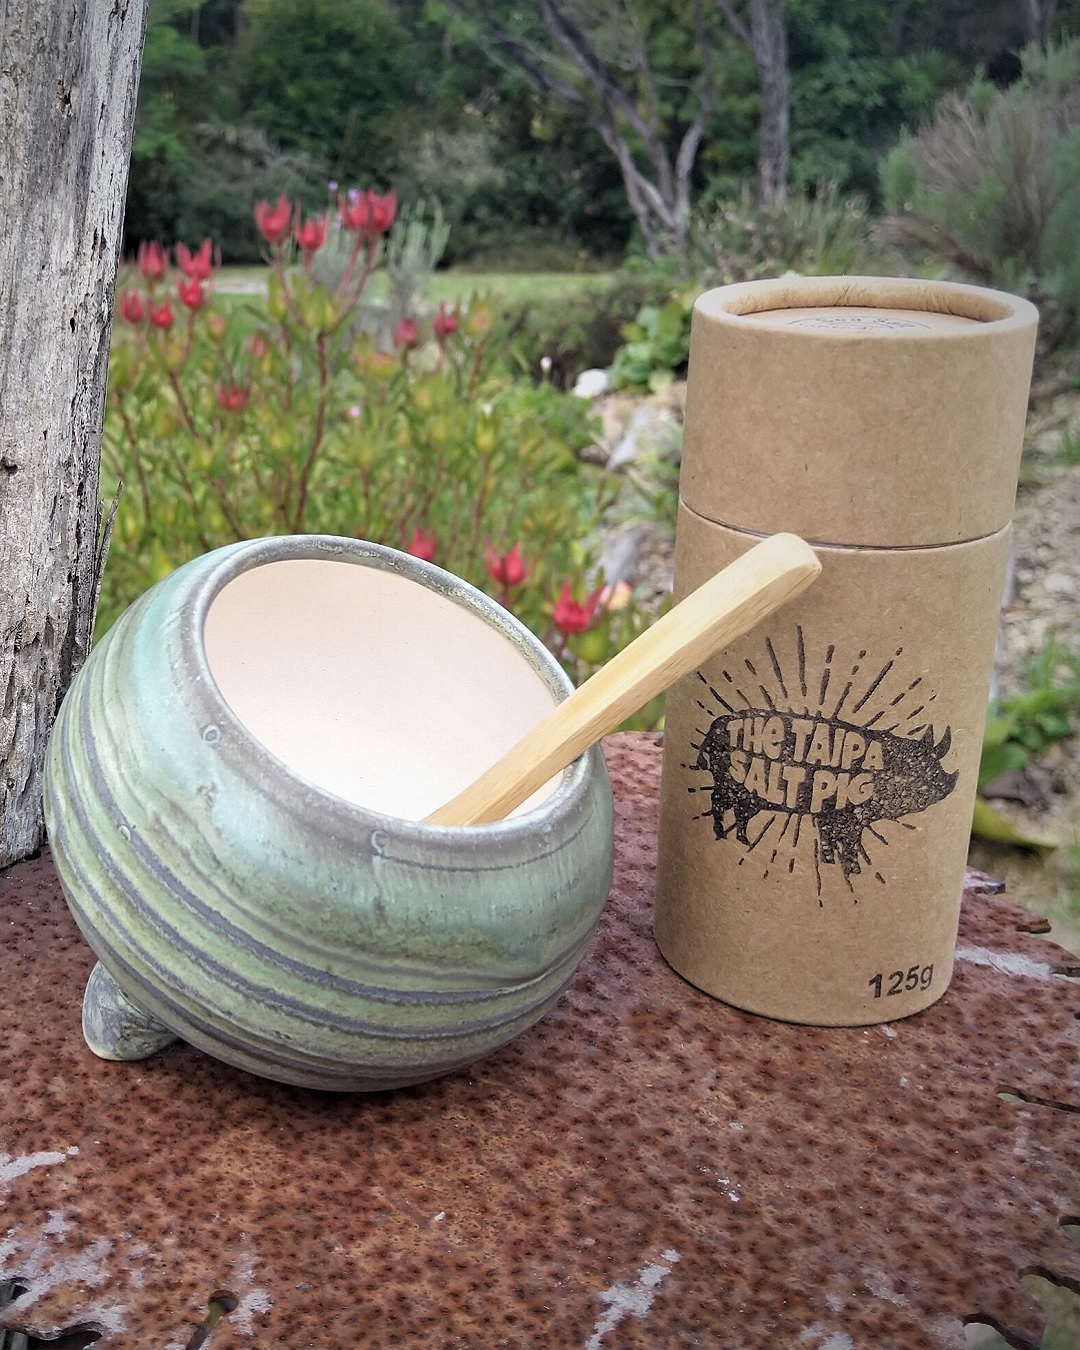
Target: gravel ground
[(1046, 573), (1045, 603)]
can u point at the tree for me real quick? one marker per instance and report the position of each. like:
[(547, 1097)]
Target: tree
[(196, 166), (174, 90), (988, 34), (606, 61), (766, 37), (1037, 18), (333, 77), (635, 74), (858, 77), (69, 87)]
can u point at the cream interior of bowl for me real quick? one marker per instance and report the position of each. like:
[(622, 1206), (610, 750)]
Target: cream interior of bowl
[(370, 685), (860, 319)]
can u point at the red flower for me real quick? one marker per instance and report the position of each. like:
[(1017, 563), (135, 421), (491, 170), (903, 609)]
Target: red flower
[(162, 317), (505, 569), (233, 397), (258, 346), (422, 545), (367, 212), (570, 616), (312, 235), (274, 222), (405, 334), (131, 306), (153, 260), (383, 210), (445, 323), (196, 266), (355, 215), (191, 293)]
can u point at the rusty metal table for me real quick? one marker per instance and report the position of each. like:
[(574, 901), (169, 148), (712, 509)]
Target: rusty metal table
[(646, 1167)]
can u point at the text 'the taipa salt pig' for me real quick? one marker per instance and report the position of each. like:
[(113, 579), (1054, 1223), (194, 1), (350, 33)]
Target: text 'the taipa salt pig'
[(235, 795), (819, 774)]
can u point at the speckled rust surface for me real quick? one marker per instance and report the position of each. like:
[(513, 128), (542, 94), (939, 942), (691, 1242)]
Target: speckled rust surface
[(644, 1168)]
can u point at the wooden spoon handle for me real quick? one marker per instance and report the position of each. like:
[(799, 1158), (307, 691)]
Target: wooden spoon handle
[(728, 605)]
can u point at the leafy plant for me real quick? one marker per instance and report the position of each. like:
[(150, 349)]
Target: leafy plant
[(1029, 722), (407, 259), (1021, 727), (1069, 450), (413, 251), (239, 422), (656, 346), (853, 89)]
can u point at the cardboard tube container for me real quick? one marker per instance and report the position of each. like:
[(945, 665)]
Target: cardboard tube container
[(819, 775)]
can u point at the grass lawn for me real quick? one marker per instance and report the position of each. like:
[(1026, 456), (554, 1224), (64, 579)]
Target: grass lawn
[(515, 286), (451, 286)]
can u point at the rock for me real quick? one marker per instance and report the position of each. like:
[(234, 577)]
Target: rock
[(651, 428), (1059, 583), (620, 554), (594, 453), (592, 383), (1020, 785), (615, 410)]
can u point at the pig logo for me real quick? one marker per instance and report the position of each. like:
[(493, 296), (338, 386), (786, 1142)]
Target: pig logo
[(804, 763)]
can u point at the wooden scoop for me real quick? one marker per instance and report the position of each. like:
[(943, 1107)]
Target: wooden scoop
[(726, 607)]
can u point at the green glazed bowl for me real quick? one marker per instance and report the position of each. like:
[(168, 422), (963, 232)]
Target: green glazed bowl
[(237, 870)]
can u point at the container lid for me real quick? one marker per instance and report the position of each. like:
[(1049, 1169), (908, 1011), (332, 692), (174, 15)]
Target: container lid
[(879, 412)]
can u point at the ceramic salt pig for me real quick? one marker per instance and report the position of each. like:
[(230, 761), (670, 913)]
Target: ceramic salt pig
[(234, 796), (819, 774)]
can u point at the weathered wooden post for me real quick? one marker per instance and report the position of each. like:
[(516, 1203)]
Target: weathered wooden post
[(68, 82)]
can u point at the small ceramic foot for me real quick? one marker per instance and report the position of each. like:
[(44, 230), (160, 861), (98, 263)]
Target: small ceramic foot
[(114, 1027)]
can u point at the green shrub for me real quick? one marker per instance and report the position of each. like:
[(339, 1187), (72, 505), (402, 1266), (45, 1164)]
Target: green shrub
[(230, 167), (251, 420), (819, 233), (565, 335), (292, 432), (991, 186), (853, 87), (735, 239), (408, 258)]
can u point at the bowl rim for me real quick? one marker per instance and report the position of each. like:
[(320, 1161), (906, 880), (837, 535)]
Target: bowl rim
[(277, 779)]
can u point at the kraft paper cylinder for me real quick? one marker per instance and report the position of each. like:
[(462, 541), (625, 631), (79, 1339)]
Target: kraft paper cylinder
[(819, 774), (787, 893), (810, 410)]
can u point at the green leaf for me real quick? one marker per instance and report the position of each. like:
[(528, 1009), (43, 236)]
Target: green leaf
[(671, 320), (276, 305), (1055, 726), (999, 759), (986, 823), (999, 729)]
